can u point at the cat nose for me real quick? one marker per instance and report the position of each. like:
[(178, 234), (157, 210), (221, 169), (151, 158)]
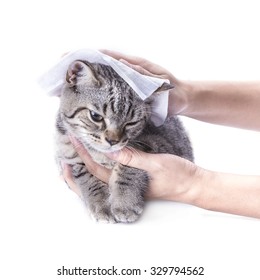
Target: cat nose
[(112, 141), (113, 136)]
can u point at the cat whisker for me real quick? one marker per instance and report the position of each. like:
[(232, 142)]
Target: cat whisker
[(133, 150), (144, 145)]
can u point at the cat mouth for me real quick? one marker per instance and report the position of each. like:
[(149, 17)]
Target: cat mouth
[(105, 148), (111, 149)]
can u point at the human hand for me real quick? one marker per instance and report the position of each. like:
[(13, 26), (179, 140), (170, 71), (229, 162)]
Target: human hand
[(94, 168), (171, 177), (177, 96)]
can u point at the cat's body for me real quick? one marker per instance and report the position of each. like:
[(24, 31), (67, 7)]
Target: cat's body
[(105, 114)]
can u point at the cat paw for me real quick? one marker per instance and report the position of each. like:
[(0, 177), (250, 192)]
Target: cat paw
[(103, 216), (126, 215)]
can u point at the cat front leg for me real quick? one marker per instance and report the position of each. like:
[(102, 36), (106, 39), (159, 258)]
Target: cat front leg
[(128, 187), (95, 194)]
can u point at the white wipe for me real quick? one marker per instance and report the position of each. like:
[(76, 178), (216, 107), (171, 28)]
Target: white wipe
[(144, 86)]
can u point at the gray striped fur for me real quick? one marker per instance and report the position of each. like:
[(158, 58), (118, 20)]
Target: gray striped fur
[(101, 110)]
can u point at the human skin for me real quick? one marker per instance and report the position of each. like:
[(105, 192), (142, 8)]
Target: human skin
[(173, 178)]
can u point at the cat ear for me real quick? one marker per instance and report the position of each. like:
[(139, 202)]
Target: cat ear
[(80, 72), (164, 87)]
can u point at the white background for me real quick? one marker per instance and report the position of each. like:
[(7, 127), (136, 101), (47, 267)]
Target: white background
[(44, 226)]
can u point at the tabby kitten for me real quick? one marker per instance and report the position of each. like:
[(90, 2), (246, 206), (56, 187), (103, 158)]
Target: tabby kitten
[(101, 110)]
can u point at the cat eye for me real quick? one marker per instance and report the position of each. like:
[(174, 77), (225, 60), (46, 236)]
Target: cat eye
[(95, 116), (131, 124)]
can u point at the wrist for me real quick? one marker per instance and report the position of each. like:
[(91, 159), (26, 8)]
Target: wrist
[(193, 184), (179, 98), (198, 195), (196, 187), (190, 91)]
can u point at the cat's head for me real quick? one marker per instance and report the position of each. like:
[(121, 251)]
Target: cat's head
[(100, 108)]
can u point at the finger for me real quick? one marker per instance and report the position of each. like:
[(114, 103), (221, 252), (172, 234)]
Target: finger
[(138, 68), (134, 158), (151, 67), (67, 176), (129, 58), (119, 55), (94, 168)]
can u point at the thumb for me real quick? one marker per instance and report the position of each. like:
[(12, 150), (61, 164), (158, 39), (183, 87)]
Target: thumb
[(129, 157)]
